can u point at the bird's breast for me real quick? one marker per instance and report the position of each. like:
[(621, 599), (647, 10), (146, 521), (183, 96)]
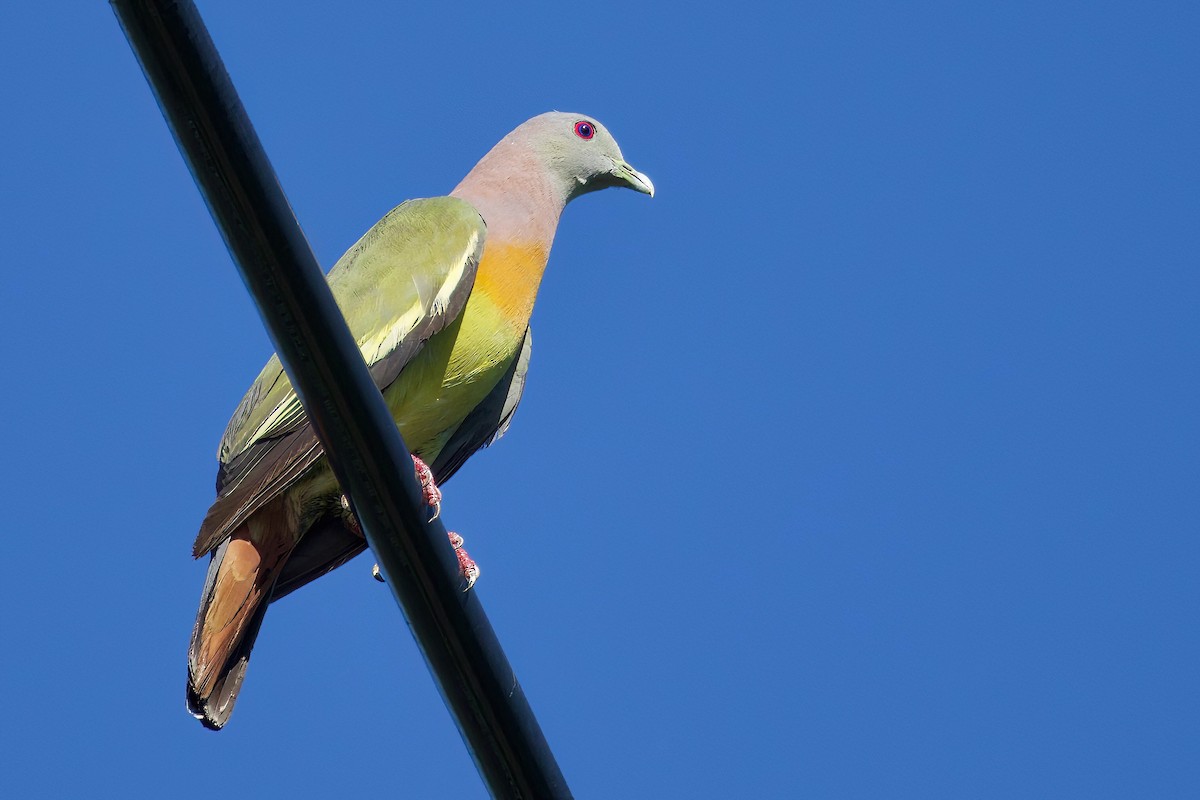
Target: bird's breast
[(508, 278), (459, 366)]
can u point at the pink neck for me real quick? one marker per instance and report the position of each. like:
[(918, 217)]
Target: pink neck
[(515, 194)]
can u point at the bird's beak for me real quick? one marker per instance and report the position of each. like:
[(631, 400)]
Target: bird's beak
[(626, 175)]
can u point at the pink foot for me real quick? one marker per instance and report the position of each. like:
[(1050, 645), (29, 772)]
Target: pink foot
[(466, 565), (433, 495)]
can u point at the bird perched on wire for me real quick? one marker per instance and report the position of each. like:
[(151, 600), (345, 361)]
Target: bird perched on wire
[(438, 295)]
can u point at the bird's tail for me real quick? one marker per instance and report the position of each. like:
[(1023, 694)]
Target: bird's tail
[(241, 577)]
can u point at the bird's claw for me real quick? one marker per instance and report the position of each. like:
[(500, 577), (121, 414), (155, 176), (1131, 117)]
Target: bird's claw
[(466, 565), (429, 489), (433, 497)]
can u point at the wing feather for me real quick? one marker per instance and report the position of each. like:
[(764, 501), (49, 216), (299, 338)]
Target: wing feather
[(405, 280)]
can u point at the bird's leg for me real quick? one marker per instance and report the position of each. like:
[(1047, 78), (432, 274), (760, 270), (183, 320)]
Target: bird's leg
[(466, 565), (432, 494)]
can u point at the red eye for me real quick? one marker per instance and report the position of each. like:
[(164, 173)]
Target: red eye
[(584, 129)]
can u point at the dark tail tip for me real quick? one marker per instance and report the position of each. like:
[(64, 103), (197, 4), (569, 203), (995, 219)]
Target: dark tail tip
[(214, 710), (196, 708)]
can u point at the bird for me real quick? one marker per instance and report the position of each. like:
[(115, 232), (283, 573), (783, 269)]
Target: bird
[(438, 295)]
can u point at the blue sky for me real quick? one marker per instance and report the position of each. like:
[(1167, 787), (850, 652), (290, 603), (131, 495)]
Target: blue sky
[(859, 462)]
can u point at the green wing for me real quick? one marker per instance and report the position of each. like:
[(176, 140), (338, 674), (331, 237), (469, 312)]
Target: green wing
[(406, 279)]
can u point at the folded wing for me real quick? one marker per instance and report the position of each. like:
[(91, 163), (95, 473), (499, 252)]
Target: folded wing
[(406, 279)]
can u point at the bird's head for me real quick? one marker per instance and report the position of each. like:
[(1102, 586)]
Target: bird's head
[(580, 152)]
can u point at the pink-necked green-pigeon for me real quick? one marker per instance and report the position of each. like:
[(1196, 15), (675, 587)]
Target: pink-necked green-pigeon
[(438, 294)]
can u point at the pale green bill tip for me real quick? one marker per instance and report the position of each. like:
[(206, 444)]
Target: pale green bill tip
[(638, 181), (641, 182)]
